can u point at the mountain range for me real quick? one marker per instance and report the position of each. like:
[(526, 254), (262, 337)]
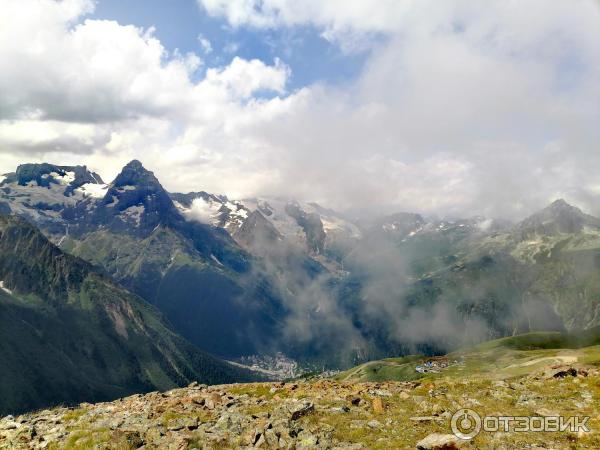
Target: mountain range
[(257, 277)]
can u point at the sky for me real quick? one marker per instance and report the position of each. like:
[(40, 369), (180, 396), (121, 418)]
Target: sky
[(452, 108)]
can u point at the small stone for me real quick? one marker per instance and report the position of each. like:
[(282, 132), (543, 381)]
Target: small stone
[(213, 401), (424, 418), (378, 405), (306, 440), (382, 393), (10, 425), (354, 401), (300, 409), (436, 409), (197, 386), (349, 447), (198, 400), (374, 424), (437, 441), (339, 409), (130, 439), (271, 439), (572, 372), (260, 441)]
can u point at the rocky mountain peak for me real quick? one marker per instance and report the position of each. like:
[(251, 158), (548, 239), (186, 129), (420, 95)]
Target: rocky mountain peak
[(560, 206), (560, 203), (135, 164), (558, 217), (135, 174), (47, 175), (137, 199)]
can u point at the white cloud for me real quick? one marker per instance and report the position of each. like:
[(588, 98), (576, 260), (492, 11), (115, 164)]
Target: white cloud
[(201, 211), (482, 90), (96, 71), (243, 78), (466, 107), (334, 14), (205, 44), (113, 92)]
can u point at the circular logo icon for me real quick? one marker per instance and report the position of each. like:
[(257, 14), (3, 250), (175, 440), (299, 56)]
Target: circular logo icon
[(466, 424)]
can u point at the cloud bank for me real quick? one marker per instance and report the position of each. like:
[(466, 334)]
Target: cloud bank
[(462, 108)]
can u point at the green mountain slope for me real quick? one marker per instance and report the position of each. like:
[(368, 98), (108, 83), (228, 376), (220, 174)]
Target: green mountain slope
[(256, 277), (195, 274), (503, 358), (441, 286), (69, 334)]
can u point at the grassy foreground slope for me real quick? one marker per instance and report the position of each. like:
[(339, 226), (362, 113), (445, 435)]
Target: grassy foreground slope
[(530, 375), (499, 358)]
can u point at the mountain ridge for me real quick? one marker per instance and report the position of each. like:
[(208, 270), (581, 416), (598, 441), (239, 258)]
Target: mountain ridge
[(259, 267), (69, 334)]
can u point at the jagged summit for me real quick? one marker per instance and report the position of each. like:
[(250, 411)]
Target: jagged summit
[(43, 192), (136, 197), (559, 203), (135, 173), (558, 217), (135, 164), (47, 175)]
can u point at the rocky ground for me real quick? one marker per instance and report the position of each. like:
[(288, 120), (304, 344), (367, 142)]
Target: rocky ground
[(329, 414)]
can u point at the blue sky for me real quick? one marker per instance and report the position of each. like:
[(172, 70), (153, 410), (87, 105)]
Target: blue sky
[(179, 23)]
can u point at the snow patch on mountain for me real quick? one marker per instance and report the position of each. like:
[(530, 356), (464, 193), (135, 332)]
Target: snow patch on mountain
[(32, 194), (92, 190), (5, 289), (215, 259), (214, 210), (126, 188), (114, 201), (133, 214), (332, 221), (273, 209), (63, 180)]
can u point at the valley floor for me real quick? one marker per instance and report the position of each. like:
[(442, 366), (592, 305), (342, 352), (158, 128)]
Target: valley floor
[(346, 413)]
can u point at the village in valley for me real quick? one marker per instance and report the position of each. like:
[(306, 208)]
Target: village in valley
[(436, 365)]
